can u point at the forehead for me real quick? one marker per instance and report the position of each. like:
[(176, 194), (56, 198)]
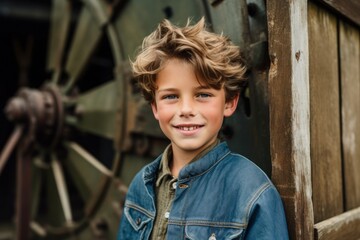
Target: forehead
[(179, 72)]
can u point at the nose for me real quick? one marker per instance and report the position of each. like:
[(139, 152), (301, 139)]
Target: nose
[(187, 107)]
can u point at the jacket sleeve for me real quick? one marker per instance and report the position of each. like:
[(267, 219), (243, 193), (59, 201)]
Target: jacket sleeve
[(266, 219), (125, 229), (124, 224), (136, 219)]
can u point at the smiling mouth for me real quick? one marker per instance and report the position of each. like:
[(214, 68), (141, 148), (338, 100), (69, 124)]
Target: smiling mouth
[(189, 128)]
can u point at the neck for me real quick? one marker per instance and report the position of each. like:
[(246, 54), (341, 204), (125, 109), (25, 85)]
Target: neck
[(179, 160)]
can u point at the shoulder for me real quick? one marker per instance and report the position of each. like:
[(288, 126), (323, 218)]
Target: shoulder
[(241, 169), (251, 182), (246, 180)]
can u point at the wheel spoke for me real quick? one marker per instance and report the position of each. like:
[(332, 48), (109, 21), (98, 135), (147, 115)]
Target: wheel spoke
[(59, 27), (54, 214), (87, 34), (100, 9), (97, 111), (85, 170), (38, 229), (23, 196), (85, 155), (10, 145), (36, 186), (62, 189)]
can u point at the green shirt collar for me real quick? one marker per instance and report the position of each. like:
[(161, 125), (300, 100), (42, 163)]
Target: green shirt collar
[(164, 169)]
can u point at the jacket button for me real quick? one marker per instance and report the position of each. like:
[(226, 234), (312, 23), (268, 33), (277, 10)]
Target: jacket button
[(166, 215), (212, 237), (183, 185)]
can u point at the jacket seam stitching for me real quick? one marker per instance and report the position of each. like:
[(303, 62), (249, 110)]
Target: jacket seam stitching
[(207, 223), (140, 209), (210, 168), (256, 196)]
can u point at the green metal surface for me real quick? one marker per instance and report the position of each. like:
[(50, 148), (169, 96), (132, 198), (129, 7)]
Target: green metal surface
[(60, 21), (139, 18), (84, 175), (87, 35), (97, 110)]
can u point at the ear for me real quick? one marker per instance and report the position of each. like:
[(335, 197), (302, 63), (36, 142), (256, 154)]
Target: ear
[(230, 106), (154, 110)]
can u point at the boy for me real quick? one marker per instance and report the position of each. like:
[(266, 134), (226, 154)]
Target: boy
[(197, 189)]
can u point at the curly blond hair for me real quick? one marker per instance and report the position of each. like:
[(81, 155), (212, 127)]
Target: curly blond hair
[(214, 57)]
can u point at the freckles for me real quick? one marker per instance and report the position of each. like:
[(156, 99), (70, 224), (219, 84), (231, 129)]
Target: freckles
[(164, 111), (163, 108)]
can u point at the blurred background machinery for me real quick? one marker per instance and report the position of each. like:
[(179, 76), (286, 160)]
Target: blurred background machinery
[(73, 127)]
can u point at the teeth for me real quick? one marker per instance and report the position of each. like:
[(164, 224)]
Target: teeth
[(189, 128)]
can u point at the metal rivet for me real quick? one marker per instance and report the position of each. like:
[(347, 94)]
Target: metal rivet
[(212, 237)]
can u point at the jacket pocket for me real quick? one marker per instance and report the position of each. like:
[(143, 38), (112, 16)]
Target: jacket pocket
[(212, 233), (137, 217)]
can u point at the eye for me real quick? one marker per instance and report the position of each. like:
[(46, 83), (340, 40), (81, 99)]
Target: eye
[(203, 95), (170, 97)]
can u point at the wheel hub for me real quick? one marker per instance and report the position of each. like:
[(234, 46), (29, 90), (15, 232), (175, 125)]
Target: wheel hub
[(43, 108)]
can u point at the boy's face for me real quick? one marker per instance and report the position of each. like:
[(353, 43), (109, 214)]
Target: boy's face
[(189, 113)]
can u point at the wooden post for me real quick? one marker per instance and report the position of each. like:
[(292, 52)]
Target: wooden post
[(289, 112)]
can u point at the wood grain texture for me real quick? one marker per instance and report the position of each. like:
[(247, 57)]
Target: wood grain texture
[(343, 226), (324, 114), (350, 110), (349, 9), (289, 112)]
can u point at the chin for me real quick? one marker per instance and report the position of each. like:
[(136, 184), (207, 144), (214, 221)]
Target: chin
[(191, 147)]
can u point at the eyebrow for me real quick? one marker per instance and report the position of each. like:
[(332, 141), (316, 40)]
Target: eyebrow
[(175, 89), (167, 90)]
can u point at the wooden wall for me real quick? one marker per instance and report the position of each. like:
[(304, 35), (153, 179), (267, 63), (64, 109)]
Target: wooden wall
[(314, 105), (349, 38), (334, 63), (325, 141), (334, 75)]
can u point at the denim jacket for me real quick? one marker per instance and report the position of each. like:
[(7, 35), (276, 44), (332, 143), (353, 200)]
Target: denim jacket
[(220, 196)]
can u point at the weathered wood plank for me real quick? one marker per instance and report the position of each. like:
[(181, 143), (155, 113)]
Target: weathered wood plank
[(289, 112), (350, 101), (324, 114), (350, 9), (343, 226)]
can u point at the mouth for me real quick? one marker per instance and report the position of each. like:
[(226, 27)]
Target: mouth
[(188, 127)]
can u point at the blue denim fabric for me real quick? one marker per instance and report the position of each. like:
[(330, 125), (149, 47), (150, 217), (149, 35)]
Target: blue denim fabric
[(220, 196)]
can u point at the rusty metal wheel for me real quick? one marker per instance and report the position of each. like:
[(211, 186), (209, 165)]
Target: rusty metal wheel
[(64, 128)]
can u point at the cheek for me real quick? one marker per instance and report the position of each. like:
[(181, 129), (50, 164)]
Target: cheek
[(164, 113), (214, 114)]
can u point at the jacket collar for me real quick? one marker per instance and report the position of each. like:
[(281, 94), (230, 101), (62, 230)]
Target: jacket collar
[(205, 163), (193, 169)]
